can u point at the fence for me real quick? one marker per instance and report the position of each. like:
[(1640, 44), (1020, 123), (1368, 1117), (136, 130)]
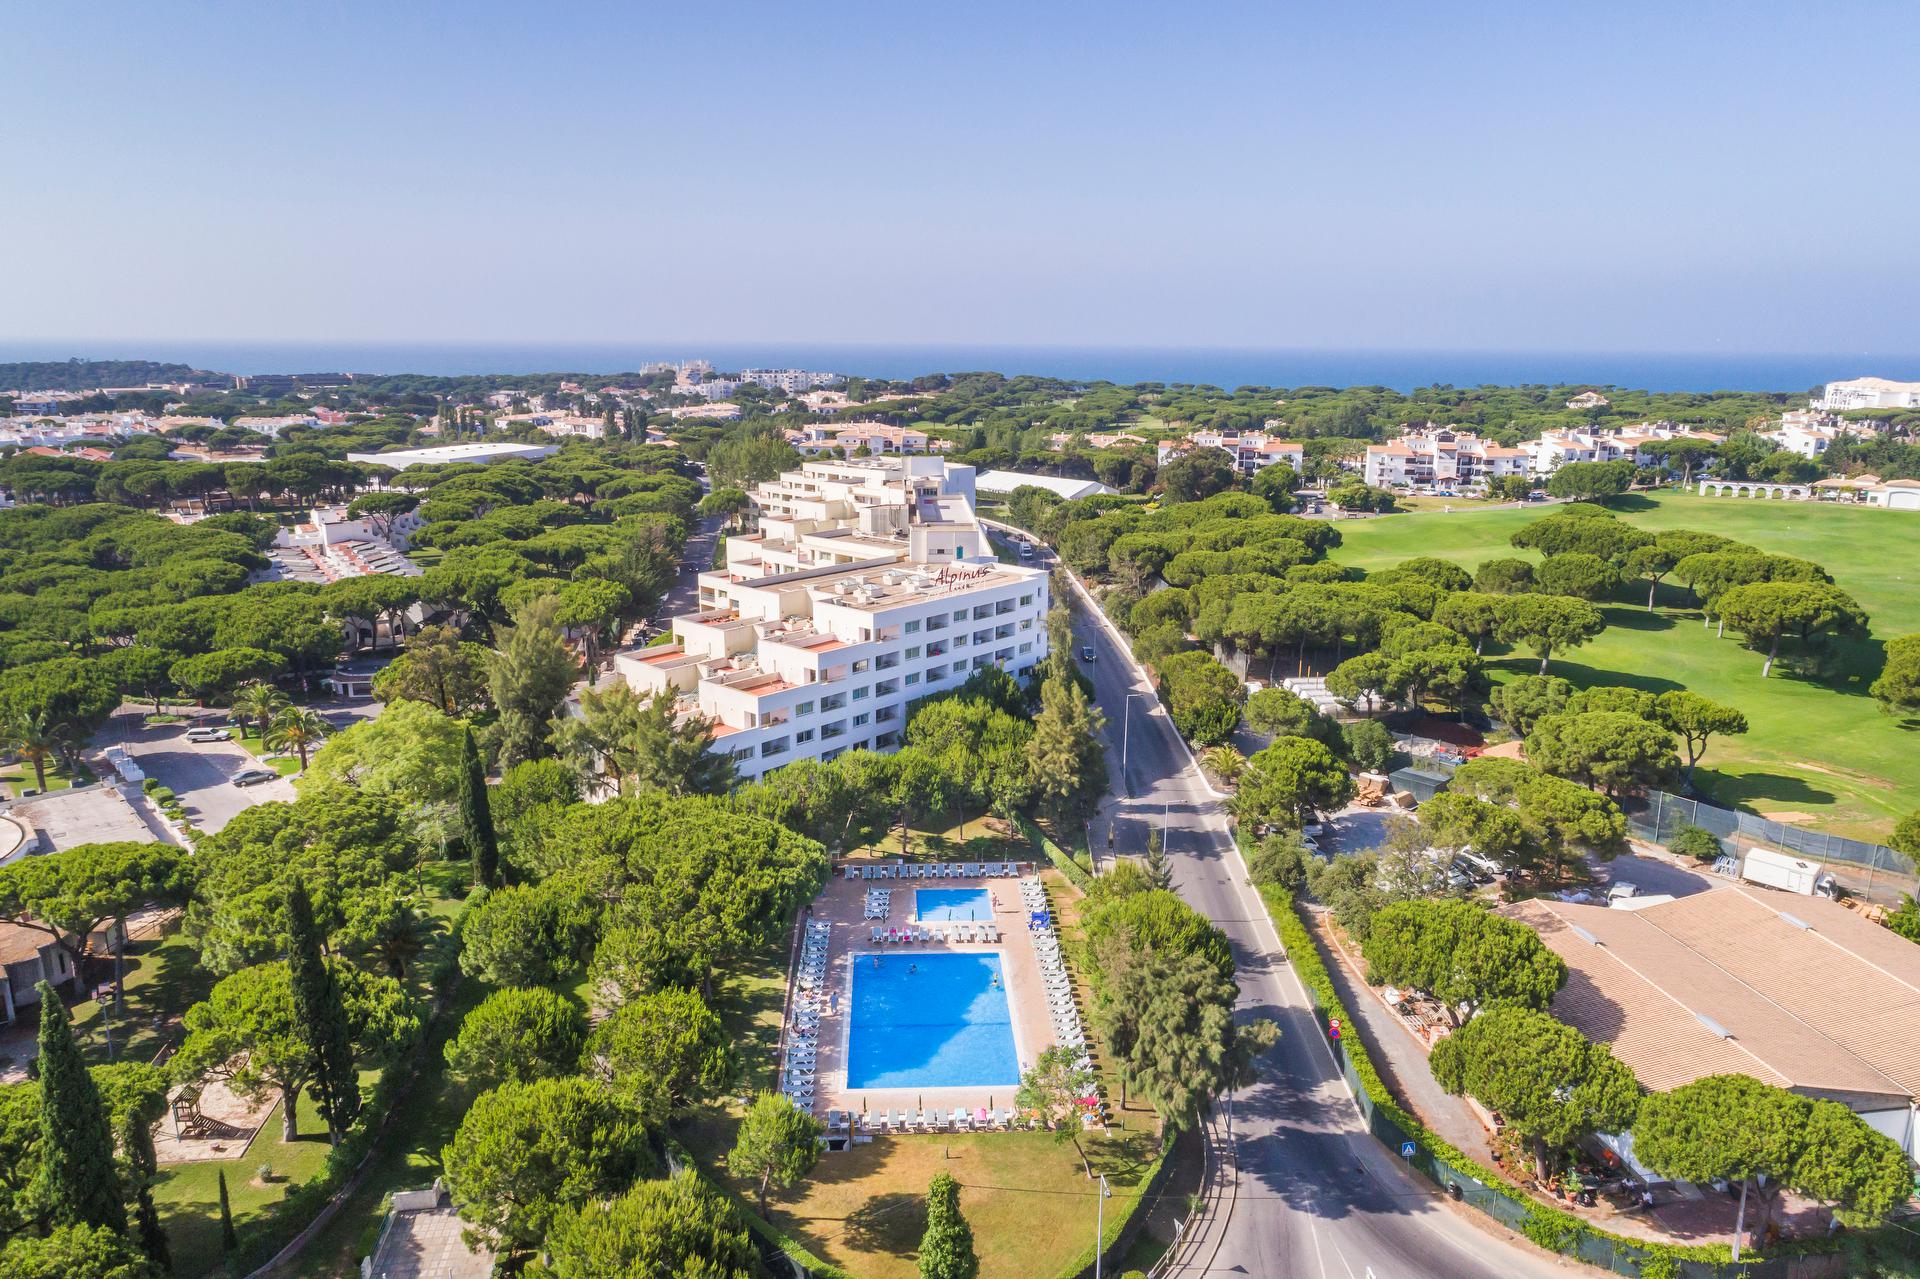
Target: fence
[(1872, 872)]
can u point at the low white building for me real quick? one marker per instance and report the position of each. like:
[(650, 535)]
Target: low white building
[(1439, 457), (330, 545), (869, 584), (1868, 393), (1003, 483), (441, 454), (878, 438)]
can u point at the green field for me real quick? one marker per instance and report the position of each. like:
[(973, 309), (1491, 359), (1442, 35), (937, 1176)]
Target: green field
[(1821, 752)]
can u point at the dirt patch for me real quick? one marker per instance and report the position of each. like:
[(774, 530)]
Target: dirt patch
[(221, 1124)]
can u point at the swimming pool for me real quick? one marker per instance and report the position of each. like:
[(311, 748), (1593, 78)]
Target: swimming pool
[(944, 905), (930, 1021)]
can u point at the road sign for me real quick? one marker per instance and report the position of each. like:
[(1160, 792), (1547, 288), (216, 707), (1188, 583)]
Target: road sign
[(1333, 1028), (1406, 1150)]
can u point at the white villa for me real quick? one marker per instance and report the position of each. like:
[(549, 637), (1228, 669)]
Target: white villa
[(1252, 451)]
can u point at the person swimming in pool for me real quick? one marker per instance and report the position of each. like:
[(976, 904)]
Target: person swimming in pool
[(913, 968)]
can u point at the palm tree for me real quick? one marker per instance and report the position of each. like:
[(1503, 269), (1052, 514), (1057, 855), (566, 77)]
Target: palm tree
[(34, 737), (297, 729), (401, 929), (257, 703), (1225, 763)]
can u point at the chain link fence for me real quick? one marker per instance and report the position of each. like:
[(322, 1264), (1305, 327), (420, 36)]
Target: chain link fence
[(1871, 872)]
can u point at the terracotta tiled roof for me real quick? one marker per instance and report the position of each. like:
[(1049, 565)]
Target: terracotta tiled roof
[(1832, 1006)]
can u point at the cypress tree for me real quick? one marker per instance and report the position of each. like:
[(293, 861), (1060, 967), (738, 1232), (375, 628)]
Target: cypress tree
[(946, 1250), (76, 1135), (476, 815), (322, 1017), (136, 1144), (227, 1240)]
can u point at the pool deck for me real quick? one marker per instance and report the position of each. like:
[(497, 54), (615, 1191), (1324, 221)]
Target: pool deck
[(843, 905)]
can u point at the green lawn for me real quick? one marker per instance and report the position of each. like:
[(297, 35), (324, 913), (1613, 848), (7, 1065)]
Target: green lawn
[(283, 764), (1820, 750), (18, 777), (163, 978), (189, 1198)]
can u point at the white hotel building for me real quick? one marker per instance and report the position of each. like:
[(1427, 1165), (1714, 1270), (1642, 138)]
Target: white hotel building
[(1868, 393), (869, 584)]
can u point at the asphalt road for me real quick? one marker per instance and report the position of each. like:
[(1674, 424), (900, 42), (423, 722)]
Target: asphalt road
[(196, 771), (1311, 1193)]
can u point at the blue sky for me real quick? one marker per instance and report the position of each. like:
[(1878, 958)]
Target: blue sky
[(1707, 176)]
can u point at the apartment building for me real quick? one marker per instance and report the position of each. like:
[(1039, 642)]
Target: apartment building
[(1812, 439), (792, 381), (1554, 449), (1868, 393), (1439, 457), (869, 584), (1251, 451)]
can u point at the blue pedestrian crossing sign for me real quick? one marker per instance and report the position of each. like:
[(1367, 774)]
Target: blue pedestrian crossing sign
[(1406, 1150)]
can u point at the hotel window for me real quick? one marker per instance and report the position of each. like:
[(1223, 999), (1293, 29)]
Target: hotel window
[(804, 735), (860, 693), (803, 708), (913, 627), (913, 677), (960, 615), (913, 652), (861, 718)]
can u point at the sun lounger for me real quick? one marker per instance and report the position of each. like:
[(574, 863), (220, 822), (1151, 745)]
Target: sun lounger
[(962, 1121)]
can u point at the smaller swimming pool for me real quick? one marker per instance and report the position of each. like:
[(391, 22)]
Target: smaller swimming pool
[(942, 905)]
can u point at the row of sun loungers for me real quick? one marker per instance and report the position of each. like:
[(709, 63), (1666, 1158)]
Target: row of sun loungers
[(803, 1027), (959, 1119), (879, 903), (1053, 973), (919, 933), (934, 870)]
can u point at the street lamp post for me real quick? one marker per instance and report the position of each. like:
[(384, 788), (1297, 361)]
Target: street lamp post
[(1126, 726), (1100, 1223)]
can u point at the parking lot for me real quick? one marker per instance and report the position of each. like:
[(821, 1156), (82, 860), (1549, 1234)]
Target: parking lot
[(198, 772)]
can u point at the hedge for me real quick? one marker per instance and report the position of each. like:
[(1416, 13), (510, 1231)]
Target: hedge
[(1116, 1223), (1075, 873)]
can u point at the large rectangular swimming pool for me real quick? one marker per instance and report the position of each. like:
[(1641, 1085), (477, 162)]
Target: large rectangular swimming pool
[(930, 1021), (945, 905)]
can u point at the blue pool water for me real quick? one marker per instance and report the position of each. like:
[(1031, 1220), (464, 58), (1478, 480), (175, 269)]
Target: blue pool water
[(944, 905), (930, 1021)]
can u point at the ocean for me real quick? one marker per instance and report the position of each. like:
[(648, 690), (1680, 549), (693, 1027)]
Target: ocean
[(1219, 366)]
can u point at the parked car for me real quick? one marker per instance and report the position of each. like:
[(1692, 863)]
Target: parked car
[(252, 776), (1086, 652), (1622, 891), (209, 735), (1026, 550)]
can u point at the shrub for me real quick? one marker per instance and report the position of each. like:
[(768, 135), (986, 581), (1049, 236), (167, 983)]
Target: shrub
[(1695, 841), (1369, 745)]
